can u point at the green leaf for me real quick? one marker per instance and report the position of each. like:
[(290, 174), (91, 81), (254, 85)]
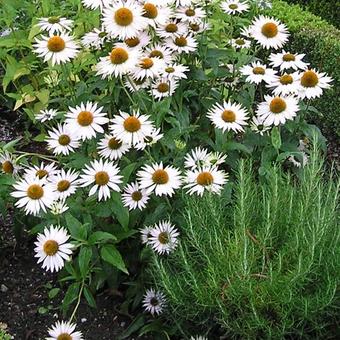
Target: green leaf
[(89, 297), (53, 293), (99, 236), (110, 254), (84, 258), (121, 213), (40, 138), (276, 138), (71, 295), (77, 230)]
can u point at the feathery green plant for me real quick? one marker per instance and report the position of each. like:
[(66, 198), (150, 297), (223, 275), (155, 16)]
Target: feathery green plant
[(265, 264)]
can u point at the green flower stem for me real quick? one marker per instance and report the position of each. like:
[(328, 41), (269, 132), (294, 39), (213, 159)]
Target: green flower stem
[(78, 300), (26, 154), (136, 91)]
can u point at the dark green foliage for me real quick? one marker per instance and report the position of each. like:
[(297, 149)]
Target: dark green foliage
[(320, 42), (263, 265), (327, 9)]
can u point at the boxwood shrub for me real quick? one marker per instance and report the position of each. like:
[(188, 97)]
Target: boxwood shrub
[(321, 43)]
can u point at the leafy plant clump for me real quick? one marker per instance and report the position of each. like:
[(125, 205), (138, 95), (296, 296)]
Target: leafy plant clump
[(264, 264)]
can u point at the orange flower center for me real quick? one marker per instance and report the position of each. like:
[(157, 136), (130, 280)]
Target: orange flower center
[(114, 144), (163, 238), (288, 57), (205, 178), (7, 167), (118, 56), (56, 44), (160, 176), (132, 124), (51, 247), (163, 87), (146, 63), (171, 28), (102, 178), (132, 42), (286, 79), (150, 11), (35, 192), (63, 185), (270, 30), (123, 17), (190, 12), (85, 118), (228, 116), (41, 173), (64, 336), (259, 70), (309, 79), (277, 105), (156, 53), (181, 41), (64, 140), (136, 196)]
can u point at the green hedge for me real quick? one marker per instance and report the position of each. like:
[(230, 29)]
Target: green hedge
[(320, 41), (327, 9)]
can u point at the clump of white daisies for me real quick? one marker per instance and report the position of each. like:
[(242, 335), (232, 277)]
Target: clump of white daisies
[(144, 45)]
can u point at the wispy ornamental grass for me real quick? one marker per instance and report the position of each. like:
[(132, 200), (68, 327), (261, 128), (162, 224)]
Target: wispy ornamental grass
[(264, 265)]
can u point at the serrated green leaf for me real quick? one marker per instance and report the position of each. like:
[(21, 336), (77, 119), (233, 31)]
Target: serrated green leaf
[(110, 254)]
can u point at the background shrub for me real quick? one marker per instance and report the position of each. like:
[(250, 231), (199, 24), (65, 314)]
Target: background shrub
[(321, 43), (263, 265), (327, 9)]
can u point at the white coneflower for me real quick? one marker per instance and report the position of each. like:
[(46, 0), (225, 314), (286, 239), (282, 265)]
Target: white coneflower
[(58, 207), (286, 61), (62, 140), (312, 83), (234, 6), (94, 39), (57, 48), (276, 110), (124, 19), (196, 158), (34, 194), (163, 87), (190, 14), (94, 4), (104, 176), (285, 84), (46, 115), (148, 68), (146, 234), (163, 237), (171, 29), (182, 44), (228, 116), (119, 62), (112, 148), (269, 32), (258, 126), (159, 179), (246, 32), (151, 139), (216, 158), (134, 197), (131, 129), (41, 171), (65, 183), (52, 248), (55, 24), (156, 14), (198, 337), (154, 302), (240, 43), (139, 41), (198, 27), (207, 178), (64, 330), (258, 72), (9, 164), (86, 120), (160, 51), (174, 71)]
